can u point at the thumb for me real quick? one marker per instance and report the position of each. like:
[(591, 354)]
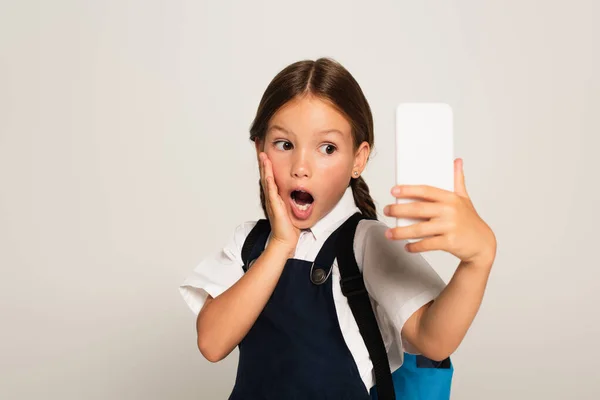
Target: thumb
[(459, 179)]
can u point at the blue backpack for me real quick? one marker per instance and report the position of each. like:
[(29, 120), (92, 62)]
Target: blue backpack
[(419, 378)]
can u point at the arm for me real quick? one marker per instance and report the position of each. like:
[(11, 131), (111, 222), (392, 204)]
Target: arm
[(451, 224), (438, 328), (224, 321)]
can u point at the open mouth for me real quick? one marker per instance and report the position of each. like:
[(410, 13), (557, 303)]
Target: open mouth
[(302, 199), (302, 202)]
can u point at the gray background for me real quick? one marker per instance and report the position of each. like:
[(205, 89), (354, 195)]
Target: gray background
[(125, 159)]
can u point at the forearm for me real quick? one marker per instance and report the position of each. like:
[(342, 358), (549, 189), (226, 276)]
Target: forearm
[(446, 321), (225, 320)]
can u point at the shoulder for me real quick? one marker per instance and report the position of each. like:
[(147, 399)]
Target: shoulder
[(366, 231), (369, 226), (372, 233), (240, 233), (217, 271), (243, 229)]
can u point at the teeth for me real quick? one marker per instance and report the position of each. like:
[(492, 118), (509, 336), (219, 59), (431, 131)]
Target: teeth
[(301, 207)]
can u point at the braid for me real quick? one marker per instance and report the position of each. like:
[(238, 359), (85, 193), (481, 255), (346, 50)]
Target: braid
[(362, 197)]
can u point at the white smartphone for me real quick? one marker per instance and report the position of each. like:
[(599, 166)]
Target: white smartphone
[(424, 149)]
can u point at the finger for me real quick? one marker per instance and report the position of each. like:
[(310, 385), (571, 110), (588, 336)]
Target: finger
[(416, 209), (419, 230), (266, 168), (263, 182), (459, 178), (426, 192), (427, 244), (262, 173), (260, 169), (273, 192), (268, 193)]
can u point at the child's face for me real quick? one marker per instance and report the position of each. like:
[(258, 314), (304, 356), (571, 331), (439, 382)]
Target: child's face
[(303, 156)]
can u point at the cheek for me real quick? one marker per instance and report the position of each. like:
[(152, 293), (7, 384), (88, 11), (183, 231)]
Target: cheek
[(278, 169), (338, 177), (333, 179), (334, 171)]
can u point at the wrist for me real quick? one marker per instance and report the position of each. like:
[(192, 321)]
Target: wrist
[(481, 261), (281, 249)]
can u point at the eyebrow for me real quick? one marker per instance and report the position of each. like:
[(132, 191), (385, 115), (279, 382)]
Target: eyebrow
[(323, 132)]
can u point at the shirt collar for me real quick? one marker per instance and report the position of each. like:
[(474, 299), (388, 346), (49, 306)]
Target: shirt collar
[(344, 208)]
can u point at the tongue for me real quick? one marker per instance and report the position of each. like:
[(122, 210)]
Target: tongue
[(303, 198)]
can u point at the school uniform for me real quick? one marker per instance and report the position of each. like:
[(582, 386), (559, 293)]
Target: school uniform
[(307, 338)]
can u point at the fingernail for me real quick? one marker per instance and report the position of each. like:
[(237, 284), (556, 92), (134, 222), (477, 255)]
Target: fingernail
[(386, 209), (396, 190), (388, 234)]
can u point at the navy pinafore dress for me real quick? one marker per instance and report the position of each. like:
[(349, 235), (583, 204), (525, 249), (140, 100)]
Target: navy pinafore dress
[(295, 349)]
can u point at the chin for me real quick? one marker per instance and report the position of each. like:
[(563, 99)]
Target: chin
[(302, 224), (307, 223)]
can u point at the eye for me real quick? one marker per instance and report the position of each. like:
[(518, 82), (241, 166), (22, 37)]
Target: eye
[(330, 149), (285, 142)]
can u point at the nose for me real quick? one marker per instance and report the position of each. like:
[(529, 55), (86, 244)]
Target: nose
[(300, 165)]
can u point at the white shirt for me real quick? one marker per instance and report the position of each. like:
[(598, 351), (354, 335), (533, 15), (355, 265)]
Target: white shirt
[(398, 282)]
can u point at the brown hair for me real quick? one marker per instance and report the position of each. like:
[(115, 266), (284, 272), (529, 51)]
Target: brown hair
[(328, 80)]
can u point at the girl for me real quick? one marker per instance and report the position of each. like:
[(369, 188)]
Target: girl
[(297, 338)]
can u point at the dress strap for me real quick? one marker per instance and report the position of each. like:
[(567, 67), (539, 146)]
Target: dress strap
[(254, 244)]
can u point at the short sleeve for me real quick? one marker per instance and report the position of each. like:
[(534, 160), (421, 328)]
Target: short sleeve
[(399, 282), (217, 272)]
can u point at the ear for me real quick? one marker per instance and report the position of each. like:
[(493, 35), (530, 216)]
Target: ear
[(361, 157)]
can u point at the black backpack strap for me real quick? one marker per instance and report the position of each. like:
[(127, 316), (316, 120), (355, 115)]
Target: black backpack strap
[(353, 287), (260, 231)]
